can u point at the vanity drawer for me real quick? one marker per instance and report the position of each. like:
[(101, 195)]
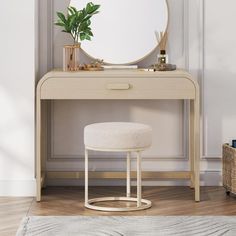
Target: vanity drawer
[(117, 88)]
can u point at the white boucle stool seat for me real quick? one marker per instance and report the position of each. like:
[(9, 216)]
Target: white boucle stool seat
[(118, 135)]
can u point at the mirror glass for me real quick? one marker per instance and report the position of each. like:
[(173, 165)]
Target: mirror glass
[(124, 30)]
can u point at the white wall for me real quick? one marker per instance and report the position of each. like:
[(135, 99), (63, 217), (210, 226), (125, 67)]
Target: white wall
[(209, 56), (201, 41), (186, 49), (17, 81), (69, 117), (219, 75)]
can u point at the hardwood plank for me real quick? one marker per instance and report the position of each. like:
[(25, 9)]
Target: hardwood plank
[(166, 201), (70, 201), (12, 210)]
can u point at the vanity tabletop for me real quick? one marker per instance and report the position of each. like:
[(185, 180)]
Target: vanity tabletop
[(117, 84), (118, 72)]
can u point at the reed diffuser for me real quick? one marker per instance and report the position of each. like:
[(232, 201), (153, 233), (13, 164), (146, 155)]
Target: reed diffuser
[(162, 57), (162, 37)]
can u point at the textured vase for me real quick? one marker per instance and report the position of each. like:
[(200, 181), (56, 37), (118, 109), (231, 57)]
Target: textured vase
[(71, 56)]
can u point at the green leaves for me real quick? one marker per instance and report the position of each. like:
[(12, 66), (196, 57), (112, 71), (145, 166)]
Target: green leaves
[(61, 17), (91, 8), (77, 22)]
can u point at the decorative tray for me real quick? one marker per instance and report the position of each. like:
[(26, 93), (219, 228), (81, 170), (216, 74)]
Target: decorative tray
[(93, 69), (164, 67)]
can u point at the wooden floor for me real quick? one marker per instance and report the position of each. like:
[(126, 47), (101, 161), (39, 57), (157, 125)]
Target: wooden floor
[(69, 201)]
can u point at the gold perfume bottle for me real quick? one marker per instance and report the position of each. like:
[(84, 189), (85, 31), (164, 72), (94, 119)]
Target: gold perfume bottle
[(162, 58)]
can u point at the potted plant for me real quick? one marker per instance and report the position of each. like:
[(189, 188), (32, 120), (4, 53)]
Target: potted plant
[(76, 23)]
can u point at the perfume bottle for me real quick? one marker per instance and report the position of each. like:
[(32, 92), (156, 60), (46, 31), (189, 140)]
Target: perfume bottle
[(162, 58)]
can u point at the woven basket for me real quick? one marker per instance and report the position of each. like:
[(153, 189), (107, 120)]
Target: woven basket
[(229, 168)]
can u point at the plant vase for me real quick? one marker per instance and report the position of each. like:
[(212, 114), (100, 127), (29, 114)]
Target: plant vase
[(71, 57)]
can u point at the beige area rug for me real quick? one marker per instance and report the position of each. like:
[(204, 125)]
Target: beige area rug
[(128, 226)]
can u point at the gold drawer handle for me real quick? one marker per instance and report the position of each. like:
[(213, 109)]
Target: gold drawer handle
[(118, 86)]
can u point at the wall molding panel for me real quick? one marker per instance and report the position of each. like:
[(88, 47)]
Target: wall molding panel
[(186, 49), (52, 156)]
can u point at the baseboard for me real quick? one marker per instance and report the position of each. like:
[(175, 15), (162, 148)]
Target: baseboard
[(17, 188), (208, 178), (27, 188)]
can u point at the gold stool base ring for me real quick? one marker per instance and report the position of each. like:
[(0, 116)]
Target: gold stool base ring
[(144, 204)]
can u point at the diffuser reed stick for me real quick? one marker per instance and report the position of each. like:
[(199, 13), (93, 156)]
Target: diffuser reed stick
[(161, 39), (162, 57)]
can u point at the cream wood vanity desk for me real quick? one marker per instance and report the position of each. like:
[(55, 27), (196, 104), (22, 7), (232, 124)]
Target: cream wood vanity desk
[(123, 85)]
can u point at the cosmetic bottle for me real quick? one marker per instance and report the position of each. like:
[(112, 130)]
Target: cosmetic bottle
[(162, 57)]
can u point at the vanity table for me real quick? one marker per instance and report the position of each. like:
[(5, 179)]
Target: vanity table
[(120, 85)]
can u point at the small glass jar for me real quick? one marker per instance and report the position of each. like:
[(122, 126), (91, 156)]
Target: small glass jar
[(162, 58)]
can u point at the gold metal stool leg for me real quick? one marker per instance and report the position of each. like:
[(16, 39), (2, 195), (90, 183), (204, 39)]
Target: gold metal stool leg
[(139, 179), (141, 203), (86, 177), (128, 181)]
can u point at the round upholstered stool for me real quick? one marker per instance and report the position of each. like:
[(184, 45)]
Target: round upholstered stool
[(118, 137)]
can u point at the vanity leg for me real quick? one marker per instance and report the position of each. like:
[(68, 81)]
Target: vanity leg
[(45, 106), (196, 111), (191, 144), (128, 176), (38, 148)]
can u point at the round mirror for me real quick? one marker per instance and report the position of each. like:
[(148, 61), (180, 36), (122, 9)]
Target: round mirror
[(124, 30)]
